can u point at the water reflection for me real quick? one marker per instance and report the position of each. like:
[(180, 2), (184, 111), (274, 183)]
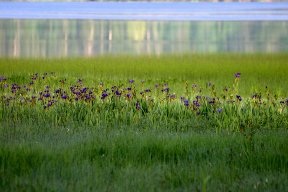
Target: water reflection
[(63, 38)]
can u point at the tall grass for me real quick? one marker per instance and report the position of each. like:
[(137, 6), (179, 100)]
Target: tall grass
[(258, 70)]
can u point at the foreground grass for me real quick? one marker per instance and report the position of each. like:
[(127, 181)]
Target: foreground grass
[(50, 159), (107, 146)]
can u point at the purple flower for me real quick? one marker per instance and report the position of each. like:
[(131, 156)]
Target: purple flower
[(219, 110), (131, 81), (198, 97), (118, 93), (128, 95), (138, 107), (147, 90), (186, 102), (128, 88), (6, 85), (237, 75), (195, 103), (239, 97), (165, 90), (84, 90), (64, 96), (104, 95), (46, 95), (49, 104), (57, 91), (212, 102), (182, 98)]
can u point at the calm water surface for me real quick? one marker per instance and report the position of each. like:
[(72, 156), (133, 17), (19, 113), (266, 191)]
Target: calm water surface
[(32, 31)]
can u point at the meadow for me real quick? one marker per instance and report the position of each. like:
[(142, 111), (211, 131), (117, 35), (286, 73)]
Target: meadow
[(202, 122)]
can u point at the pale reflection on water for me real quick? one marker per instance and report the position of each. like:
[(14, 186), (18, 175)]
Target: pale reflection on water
[(65, 38)]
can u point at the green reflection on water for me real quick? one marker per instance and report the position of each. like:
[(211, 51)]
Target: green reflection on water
[(63, 38)]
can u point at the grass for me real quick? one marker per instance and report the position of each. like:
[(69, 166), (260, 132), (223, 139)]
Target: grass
[(111, 145), (57, 160), (258, 70)]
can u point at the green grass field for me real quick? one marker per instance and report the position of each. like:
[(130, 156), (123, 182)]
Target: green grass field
[(75, 125)]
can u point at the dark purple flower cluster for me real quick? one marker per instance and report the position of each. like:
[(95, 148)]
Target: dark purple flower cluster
[(196, 104), (211, 101), (198, 98), (239, 98), (128, 95), (15, 88), (186, 102), (34, 77), (139, 100), (104, 95), (237, 75), (49, 104), (81, 93), (165, 90)]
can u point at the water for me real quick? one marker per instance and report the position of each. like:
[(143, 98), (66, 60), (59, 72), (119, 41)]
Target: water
[(31, 31), (145, 11)]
